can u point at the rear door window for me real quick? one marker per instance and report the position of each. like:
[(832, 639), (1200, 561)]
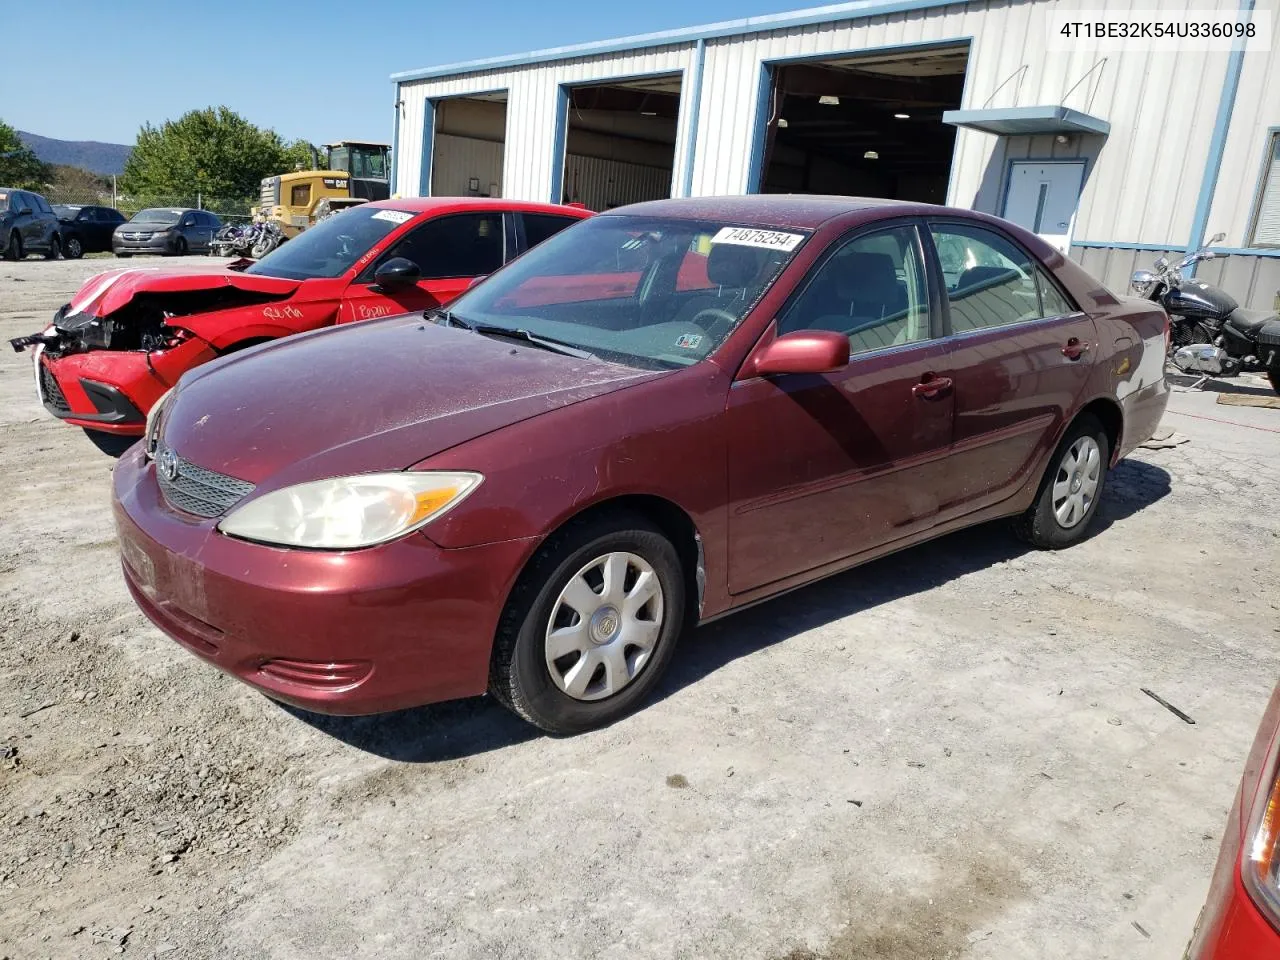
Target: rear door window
[(990, 281), (541, 226)]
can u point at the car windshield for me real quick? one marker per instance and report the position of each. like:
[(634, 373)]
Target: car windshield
[(157, 215), (655, 293), (332, 246), (65, 212)]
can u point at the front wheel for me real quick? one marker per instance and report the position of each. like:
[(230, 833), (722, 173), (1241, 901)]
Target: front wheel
[(14, 249), (590, 626), (1274, 377), (74, 249), (1071, 488)]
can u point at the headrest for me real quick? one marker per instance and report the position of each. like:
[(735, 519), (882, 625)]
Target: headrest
[(867, 276), (985, 277), (730, 265)]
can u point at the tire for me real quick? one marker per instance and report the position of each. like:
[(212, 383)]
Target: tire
[(527, 681), (1274, 377), (74, 249), (1063, 508), (111, 444), (13, 251), (55, 248), (180, 248)]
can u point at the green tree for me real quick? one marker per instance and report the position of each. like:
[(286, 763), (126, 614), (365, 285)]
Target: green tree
[(214, 151), (19, 167)]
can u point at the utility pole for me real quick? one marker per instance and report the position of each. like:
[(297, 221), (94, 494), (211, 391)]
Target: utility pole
[(113, 190)]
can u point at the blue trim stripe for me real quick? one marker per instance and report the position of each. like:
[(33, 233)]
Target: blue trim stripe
[(558, 143), (695, 106), (760, 131), (1175, 247), (1218, 142), (428, 142), (857, 10)]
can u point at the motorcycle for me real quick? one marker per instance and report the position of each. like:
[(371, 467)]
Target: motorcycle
[(1211, 334), (255, 239)]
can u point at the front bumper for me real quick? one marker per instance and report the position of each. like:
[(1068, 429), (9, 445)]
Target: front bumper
[(156, 244), (356, 632), (100, 390)]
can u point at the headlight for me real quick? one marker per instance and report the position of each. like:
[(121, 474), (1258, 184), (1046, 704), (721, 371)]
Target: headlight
[(151, 434), (348, 512), (1260, 862)]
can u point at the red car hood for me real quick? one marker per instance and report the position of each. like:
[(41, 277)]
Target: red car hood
[(108, 292), (379, 395)]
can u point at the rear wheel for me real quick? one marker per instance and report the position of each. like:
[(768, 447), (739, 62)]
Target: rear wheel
[(1071, 488), (1274, 377), (74, 249), (590, 626), (14, 250), (55, 248)]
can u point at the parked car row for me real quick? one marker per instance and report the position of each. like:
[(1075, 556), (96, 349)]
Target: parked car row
[(30, 224)]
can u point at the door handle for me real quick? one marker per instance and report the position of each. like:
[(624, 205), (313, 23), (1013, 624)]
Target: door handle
[(931, 386), (1075, 348)]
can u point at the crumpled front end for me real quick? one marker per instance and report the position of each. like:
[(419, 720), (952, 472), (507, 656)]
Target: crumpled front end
[(117, 347)]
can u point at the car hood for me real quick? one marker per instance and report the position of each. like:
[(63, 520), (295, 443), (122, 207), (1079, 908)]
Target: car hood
[(108, 292), (380, 395)]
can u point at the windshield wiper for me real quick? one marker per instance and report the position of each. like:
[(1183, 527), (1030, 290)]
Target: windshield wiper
[(451, 319), (546, 343)]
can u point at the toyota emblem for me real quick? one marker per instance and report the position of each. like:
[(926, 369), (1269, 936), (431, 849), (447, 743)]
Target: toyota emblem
[(168, 464)]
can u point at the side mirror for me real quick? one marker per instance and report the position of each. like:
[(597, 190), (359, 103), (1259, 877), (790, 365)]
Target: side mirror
[(804, 351), (24, 212), (397, 274), (1162, 263), (1217, 238)]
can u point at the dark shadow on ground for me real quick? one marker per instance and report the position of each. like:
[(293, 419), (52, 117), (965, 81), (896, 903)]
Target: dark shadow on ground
[(1220, 386), (465, 728)]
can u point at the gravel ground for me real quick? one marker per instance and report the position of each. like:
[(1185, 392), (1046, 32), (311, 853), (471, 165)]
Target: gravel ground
[(949, 755)]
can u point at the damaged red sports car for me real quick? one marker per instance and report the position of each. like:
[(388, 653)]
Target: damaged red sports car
[(128, 335), (663, 414)]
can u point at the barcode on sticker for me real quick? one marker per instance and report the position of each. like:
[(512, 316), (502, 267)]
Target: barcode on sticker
[(750, 237), (395, 216)]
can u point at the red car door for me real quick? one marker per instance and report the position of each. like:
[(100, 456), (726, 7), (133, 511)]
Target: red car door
[(1020, 356), (824, 467), (451, 250)]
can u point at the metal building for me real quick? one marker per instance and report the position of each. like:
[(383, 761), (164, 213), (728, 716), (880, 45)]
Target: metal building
[(1117, 157)]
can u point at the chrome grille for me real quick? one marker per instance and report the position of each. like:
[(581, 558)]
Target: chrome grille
[(193, 489)]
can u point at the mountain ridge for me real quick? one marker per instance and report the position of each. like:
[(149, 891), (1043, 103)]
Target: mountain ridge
[(93, 155)]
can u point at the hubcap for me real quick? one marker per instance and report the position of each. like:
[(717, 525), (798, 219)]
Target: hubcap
[(1076, 483), (604, 626)]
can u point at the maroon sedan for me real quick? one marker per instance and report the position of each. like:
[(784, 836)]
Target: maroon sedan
[(656, 417)]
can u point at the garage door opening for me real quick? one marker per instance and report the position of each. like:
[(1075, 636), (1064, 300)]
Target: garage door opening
[(467, 151), (620, 142), (864, 126)]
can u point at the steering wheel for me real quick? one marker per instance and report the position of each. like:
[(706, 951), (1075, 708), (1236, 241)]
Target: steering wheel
[(716, 316)]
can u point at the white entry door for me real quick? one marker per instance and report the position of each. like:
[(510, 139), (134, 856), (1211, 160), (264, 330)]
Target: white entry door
[(1042, 197)]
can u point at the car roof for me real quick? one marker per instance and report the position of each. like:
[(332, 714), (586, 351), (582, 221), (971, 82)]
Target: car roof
[(778, 210), (454, 204)]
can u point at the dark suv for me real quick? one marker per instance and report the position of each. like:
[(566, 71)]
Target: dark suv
[(27, 225)]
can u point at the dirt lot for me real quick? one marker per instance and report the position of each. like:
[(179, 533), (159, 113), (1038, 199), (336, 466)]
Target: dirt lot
[(949, 755)]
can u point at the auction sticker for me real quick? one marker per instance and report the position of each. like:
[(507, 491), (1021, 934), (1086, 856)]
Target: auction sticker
[(395, 216), (750, 237)]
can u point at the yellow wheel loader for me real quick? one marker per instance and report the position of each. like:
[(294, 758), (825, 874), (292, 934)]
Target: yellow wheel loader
[(354, 172)]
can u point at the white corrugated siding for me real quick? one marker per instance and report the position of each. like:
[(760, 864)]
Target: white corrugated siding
[(602, 184), (1143, 179), (1155, 103), (1257, 107), (532, 101), (458, 159)]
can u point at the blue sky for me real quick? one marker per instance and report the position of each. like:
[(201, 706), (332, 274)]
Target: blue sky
[(311, 69)]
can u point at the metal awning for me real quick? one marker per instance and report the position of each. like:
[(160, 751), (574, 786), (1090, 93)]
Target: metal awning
[(1025, 121)]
